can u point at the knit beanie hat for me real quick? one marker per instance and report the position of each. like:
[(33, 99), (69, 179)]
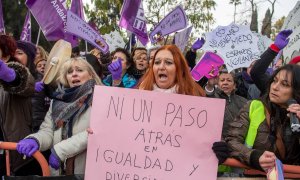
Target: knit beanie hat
[(295, 60), (28, 48)]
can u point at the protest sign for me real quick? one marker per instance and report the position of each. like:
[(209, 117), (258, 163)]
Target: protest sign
[(78, 27), (133, 19), (236, 44), (1, 19), (51, 17), (208, 66), (152, 135), (26, 31), (182, 38), (174, 21), (263, 42), (76, 8), (114, 40), (292, 22)]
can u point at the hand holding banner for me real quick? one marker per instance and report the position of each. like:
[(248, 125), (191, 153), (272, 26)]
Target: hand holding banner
[(78, 27), (208, 66), (151, 135), (174, 21)]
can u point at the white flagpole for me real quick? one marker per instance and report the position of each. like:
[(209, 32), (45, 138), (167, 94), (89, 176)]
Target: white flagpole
[(38, 38)]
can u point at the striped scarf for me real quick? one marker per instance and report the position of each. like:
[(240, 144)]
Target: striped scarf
[(70, 103)]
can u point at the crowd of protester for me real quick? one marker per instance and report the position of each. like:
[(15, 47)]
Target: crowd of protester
[(56, 121)]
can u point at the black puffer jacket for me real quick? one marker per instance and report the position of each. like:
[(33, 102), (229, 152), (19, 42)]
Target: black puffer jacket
[(259, 70), (40, 104), (190, 57), (234, 104)]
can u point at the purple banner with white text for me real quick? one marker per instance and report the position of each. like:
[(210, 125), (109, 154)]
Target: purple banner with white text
[(51, 17), (174, 21), (76, 8), (133, 19), (26, 31), (78, 27)]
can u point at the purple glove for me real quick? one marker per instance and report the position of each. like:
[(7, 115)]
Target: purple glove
[(54, 161), (27, 146), (6, 74), (281, 39), (115, 68), (39, 86), (198, 44)]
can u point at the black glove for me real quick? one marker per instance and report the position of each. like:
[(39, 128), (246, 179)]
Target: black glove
[(221, 150)]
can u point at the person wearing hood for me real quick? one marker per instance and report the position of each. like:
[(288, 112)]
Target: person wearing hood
[(25, 54), (17, 88)]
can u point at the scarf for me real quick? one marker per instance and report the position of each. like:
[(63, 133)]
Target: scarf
[(69, 104), (170, 90)]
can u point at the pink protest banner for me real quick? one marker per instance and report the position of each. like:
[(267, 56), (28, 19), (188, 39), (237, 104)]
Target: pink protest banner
[(77, 26), (174, 21), (150, 135), (208, 66)]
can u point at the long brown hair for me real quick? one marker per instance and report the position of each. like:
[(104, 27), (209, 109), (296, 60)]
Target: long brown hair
[(184, 81)]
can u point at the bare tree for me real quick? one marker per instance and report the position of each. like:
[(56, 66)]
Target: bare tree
[(269, 23), (235, 3)]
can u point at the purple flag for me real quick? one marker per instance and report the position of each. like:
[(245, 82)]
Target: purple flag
[(26, 32), (2, 29), (76, 8), (51, 16), (133, 19), (173, 22), (78, 27)]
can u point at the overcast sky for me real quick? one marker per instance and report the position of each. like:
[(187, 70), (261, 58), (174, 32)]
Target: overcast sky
[(224, 11)]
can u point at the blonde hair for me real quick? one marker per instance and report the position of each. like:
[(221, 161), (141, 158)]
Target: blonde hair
[(83, 63), (43, 53), (139, 54)]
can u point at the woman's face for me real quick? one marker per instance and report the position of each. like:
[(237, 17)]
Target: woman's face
[(77, 75), (21, 56), (152, 53), (164, 69), (281, 88), (226, 83), (122, 56), (40, 67), (141, 62)]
